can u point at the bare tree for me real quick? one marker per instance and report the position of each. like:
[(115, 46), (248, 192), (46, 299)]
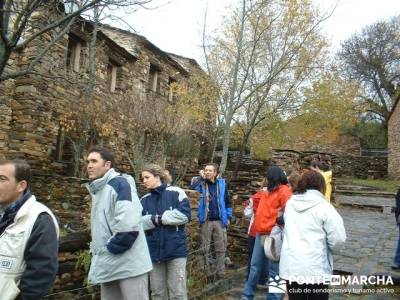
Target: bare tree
[(265, 51), (372, 57), (24, 22)]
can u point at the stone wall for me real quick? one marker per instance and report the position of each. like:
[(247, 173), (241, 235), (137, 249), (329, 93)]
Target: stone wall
[(361, 166), (344, 144), (295, 160), (70, 203), (342, 165), (5, 113), (6, 96), (6, 93), (394, 143), (67, 197)]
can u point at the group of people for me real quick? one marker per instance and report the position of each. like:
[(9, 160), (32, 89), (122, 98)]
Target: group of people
[(311, 228), (132, 240), (135, 241)]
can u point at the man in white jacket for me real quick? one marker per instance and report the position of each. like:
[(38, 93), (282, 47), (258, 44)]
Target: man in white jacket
[(312, 228), (121, 258), (28, 237)]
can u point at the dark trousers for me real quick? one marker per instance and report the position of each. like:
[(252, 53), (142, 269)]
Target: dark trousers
[(306, 291)]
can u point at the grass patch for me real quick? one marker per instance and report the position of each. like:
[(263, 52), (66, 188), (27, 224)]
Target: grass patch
[(379, 184)]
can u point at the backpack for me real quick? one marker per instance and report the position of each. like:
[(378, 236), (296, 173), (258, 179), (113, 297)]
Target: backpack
[(273, 243)]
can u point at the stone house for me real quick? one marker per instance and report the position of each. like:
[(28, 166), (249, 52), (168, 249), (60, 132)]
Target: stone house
[(48, 120), (394, 142)]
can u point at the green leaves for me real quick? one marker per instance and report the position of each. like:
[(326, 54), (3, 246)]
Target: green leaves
[(372, 57)]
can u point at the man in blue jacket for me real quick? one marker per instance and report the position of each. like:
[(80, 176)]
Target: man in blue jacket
[(214, 213)]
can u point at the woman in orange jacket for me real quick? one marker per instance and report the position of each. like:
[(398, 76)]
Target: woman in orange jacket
[(272, 204)]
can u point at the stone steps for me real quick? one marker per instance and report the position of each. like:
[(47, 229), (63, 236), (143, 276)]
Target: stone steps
[(367, 193), (346, 186), (385, 204)]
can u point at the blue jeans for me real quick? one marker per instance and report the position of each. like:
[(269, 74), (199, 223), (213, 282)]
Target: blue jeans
[(397, 256), (259, 259), (263, 279)]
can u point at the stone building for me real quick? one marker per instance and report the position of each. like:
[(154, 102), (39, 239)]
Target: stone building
[(394, 142), (48, 119)]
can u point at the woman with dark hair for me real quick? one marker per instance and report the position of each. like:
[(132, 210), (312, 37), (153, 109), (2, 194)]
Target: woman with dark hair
[(312, 228), (271, 206), (250, 213), (166, 210)]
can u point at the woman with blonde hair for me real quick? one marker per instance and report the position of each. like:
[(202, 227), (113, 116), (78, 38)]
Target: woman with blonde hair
[(166, 210)]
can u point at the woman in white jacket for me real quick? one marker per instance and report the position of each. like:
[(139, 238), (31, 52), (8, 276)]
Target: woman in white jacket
[(312, 228)]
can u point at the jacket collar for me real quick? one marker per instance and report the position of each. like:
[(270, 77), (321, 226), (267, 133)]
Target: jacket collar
[(307, 200), (158, 190), (211, 182), (15, 206), (99, 183), (11, 210)]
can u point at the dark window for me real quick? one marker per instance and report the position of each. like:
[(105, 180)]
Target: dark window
[(75, 54), (112, 75), (154, 80), (171, 92)]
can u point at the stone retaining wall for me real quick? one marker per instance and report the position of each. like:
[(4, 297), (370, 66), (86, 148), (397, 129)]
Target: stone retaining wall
[(361, 166), (344, 144), (342, 165), (70, 203), (295, 160)]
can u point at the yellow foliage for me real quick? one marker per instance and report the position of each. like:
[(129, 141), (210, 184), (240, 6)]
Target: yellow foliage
[(88, 120), (329, 105), (195, 102)]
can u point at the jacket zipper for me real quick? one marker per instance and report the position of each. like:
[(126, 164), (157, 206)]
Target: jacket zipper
[(219, 207), (108, 226)]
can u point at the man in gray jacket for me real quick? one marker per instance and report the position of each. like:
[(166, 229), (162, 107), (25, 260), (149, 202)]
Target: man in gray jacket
[(120, 256)]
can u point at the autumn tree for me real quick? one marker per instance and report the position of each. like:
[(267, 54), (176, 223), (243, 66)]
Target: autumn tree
[(195, 100), (264, 52), (25, 22), (372, 57), (82, 128), (330, 106)]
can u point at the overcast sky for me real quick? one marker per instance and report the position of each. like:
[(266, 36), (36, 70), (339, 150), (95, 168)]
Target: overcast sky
[(175, 26)]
